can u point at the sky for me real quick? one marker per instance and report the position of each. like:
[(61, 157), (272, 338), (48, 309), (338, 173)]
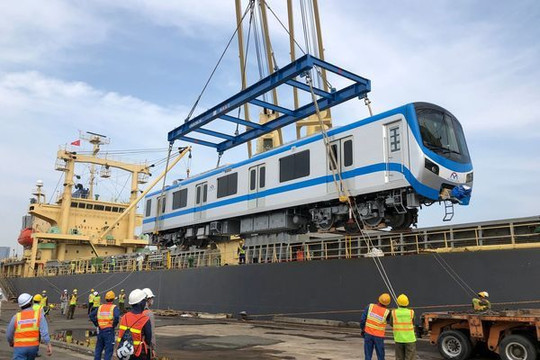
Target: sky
[(132, 70)]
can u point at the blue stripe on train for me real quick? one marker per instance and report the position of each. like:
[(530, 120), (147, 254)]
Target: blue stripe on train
[(417, 185)]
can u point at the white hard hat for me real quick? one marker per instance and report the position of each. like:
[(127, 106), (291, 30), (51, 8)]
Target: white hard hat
[(96, 293), (136, 296), (24, 299), (65, 290), (149, 293)]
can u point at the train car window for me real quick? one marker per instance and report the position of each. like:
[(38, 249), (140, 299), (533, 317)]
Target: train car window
[(198, 201), (163, 202), (395, 143), (252, 179), (347, 153), (179, 199), (335, 153), (227, 185), (294, 166), (262, 177), (205, 193)]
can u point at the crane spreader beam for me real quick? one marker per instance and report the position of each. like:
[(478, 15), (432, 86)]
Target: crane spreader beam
[(286, 75)]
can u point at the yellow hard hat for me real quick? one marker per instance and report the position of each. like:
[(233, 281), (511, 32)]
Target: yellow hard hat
[(37, 298), (92, 290), (122, 290), (483, 294), (403, 300), (385, 299), (109, 295), (74, 290)]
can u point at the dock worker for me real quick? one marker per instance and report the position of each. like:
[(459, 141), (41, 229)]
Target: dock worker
[(140, 328), (97, 300), (373, 325), (402, 322), (148, 312), (241, 253), (122, 301), (37, 302), (72, 304), (105, 318), (64, 302), (25, 329), (481, 303), (90, 300)]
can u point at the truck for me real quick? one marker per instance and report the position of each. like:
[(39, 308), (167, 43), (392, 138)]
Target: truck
[(512, 334)]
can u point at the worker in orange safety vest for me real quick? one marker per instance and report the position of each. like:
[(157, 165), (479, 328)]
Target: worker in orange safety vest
[(25, 329), (105, 317), (373, 325), (138, 324)]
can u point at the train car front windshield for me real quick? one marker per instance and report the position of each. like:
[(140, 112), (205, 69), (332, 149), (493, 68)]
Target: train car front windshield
[(442, 133)]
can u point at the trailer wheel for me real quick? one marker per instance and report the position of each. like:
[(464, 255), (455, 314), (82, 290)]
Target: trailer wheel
[(517, 347), (454, 345)]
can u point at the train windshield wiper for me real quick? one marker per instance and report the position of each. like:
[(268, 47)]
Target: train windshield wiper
[(442, 149)]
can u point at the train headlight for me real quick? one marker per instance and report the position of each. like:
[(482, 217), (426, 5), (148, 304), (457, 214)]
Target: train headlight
[(470, 177), (431, 166)]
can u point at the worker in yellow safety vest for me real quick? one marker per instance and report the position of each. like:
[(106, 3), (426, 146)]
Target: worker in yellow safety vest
[(37, 302), (25, 330), (105, 318), (481, 303), (72, 304), (90, 301), (373, 325), (122, 301), (402, 322), (97, 300)]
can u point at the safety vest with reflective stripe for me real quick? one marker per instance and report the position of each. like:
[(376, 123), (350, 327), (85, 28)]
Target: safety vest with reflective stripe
[(91, 298), (37, 306), (43, 301), (27, 328), (402, 323), (97, 301), (105, 316), (73, 300), (376, 320), (121, 298), (135, 324)]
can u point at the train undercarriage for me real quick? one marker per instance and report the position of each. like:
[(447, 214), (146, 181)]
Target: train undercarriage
[(397, 209)]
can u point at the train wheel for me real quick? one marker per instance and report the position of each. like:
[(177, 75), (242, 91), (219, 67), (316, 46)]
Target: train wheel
[(517, 347), (351, 228), (454, 345)]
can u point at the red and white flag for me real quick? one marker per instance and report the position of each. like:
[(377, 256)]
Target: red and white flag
[(76, 143)]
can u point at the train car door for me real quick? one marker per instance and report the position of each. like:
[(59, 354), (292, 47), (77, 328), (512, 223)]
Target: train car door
[(201, 198), (394, 151), (343, 150), (257, 183)]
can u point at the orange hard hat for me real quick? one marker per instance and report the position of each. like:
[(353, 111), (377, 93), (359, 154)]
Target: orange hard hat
[(385, 299)]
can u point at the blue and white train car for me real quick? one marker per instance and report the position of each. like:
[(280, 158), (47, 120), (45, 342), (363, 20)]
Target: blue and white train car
[(391, 164)]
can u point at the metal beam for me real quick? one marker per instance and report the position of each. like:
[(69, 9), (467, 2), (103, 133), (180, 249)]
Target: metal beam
[(214, 133), (270, 106), (317, 91), (198, 141), (241, 121)]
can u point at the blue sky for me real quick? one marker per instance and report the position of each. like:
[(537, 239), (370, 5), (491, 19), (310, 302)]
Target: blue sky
[(132, 70)]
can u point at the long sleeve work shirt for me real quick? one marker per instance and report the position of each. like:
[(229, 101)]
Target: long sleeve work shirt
[(116, 315), (43, 328)]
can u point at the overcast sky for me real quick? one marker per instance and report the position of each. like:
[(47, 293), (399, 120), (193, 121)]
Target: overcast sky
[(132, 70)]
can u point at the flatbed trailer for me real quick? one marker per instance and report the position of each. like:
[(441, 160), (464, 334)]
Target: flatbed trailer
[(513, 334)]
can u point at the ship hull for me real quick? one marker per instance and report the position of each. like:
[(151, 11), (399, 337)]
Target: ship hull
[(332, 289)]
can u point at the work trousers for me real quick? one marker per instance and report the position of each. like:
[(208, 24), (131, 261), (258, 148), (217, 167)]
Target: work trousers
[(90, 306), (71, 312), (105, 342), (370, 342), (63, 307), (406, 351), (25, 353), (122, 308)]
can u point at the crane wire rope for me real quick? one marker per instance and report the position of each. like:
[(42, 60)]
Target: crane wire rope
[(342, 187), (161, 200), (218, 62)]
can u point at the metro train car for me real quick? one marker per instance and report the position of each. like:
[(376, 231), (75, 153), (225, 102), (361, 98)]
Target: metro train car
[(390, 164)]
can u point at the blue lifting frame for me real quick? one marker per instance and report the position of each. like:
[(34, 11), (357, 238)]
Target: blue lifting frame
[(286, 75)]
